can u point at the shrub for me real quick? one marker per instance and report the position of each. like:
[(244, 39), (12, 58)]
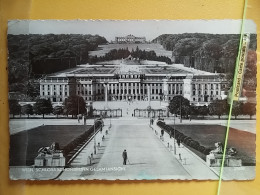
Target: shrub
[(207, 151), (202, 149)]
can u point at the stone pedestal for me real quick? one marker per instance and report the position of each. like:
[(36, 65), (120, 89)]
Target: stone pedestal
[(215, 160), (52, 160)]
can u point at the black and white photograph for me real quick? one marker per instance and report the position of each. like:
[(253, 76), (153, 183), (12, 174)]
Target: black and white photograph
[(131, 99)]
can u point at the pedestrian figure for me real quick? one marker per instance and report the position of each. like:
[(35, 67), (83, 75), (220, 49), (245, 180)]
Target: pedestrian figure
[(180, 157), (162, 132), (103, 138), (152, 121), (124, 155), (179, 142), (168, 145), (98, 145), (92, 156), (85, 120), (106, 132), (89, 159)]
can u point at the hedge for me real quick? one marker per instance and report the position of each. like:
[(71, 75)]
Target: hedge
[(183, 138), (69, 149)]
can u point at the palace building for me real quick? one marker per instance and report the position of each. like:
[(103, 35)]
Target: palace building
[(123, 82), (130, 39)]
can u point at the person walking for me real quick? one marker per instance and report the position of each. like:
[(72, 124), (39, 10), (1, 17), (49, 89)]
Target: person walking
[(124, 155)]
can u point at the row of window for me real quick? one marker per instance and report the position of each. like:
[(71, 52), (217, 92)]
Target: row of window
[(130, 76), (54, 93), (204, 99), (205, 86), (205, 93), (54, 87)]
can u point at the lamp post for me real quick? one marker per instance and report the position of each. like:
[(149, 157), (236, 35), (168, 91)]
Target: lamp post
[(110, 120), (174, 143), (180, 109)]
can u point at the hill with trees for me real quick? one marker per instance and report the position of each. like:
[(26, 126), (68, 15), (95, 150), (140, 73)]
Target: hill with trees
[(209, 52), (33, 55)]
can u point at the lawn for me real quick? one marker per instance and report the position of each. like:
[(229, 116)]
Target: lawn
[(24, 145), (207, 135)]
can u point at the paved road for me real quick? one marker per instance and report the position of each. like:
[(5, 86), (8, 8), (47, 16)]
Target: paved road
[(149, 158)]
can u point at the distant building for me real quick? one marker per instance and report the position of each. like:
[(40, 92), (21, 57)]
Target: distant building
[(134, 82), (130, 39)]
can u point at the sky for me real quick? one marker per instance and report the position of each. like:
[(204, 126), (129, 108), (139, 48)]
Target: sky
[(112, 28)]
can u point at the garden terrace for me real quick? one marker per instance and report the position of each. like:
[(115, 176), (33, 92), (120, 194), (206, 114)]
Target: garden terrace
[(24, 145)]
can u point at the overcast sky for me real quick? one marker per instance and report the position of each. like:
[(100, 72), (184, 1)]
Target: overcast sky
[(112, 28)]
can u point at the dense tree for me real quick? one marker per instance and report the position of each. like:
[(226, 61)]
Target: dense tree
[(179, 105), (74, 105), (203, 110), (42, 106), (209, 52), (249, 109), (27, 109), (237, 109), (14, 107), (218, 107), (58, 110), (31, 56), (116, 54), (249, 82)]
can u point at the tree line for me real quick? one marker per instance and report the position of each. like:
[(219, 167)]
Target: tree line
[(138, 54), (181, 106), (31, 56), (73, 105)]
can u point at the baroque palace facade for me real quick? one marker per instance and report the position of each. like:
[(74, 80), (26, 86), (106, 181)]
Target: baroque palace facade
[(130, 39), (123, 82)]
